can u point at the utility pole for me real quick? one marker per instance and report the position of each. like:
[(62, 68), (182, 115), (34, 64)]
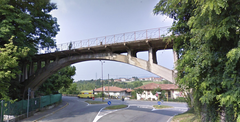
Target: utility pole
[(102, 79), (108, 87)]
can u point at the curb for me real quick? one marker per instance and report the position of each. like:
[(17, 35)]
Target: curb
[(51, 113)]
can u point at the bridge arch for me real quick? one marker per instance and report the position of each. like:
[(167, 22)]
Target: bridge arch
[(41, 75)]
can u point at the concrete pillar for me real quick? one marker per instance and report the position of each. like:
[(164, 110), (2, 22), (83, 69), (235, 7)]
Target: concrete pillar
[(47, 62), (31, 68), (152, 55), (24, 72), (39, 65), (132, 53), (32, 94), (175, 58)]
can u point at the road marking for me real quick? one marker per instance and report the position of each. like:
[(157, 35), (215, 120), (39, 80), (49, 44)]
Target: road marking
[(106, 112), (51, 113), (171, 117), (84, 102)]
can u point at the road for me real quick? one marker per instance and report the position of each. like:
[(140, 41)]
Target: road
[(138, 111)]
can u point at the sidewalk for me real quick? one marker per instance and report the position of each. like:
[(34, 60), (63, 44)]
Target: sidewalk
[(45, 112)]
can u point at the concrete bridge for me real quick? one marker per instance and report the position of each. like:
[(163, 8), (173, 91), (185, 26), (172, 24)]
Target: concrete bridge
[(49, 61)]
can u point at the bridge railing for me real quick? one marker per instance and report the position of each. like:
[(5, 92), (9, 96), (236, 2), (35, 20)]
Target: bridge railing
[(111, 39)]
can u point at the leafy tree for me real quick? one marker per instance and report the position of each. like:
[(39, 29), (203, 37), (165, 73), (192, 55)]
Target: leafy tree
[(31, 26), (137, 83), (9, 56), (72, 89), (154, 91), (30, 23), (61, 79), (207, 44)]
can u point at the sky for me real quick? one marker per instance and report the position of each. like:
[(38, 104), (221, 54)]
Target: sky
[(85, 19)]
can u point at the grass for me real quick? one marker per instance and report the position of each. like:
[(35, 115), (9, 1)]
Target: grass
[(188, 116), (115, 107), (161, 106), (95, 102)]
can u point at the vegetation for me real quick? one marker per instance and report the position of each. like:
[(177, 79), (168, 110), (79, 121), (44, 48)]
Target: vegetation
[(9, 55), (115, 107), (60, 80), (188, 116), (95, 102), (161, 106), (206, 39), (29, 25)]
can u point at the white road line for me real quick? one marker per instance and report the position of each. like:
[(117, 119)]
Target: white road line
[(98, 117), (83, 102), (171, 117), (107, 112)]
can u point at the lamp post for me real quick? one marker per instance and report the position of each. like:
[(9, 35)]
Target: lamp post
[(102, 78)]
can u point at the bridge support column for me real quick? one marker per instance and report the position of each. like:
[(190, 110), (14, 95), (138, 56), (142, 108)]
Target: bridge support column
[(132, 53), (31, 68), (32, 94), (152, 56), (175, 58), (24, 72), (39, 65), (47, 62)]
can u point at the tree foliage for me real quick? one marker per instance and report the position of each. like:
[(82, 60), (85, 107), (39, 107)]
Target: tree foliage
[(208, 47), (29, 22), (9, 56), (61, 79)]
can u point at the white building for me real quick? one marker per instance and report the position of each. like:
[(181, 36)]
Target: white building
[(114, 91), (172, 91)]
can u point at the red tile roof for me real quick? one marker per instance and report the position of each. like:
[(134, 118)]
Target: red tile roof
[(152, 86), (111, 88)]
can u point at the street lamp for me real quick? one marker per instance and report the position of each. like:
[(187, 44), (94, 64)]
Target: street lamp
[(102, 78)]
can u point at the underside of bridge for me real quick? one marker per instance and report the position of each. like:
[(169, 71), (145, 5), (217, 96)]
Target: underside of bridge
[(57, 60)]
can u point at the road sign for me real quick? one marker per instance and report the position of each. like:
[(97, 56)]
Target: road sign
[(109, 102), (158, 92), (159, 103)]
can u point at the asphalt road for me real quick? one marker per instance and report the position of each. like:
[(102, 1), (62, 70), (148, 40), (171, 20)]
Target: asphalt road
[(138, 111)]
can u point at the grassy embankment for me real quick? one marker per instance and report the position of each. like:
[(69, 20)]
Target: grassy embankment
[(115, 107), (188, 116), (161, 106), (95, 102)]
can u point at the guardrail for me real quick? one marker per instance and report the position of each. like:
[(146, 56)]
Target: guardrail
[(111, 39)]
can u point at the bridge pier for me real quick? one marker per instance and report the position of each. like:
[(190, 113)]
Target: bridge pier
[(24, 72), (175, 58), (31, 69), (152, 55), (132, 53), (39, 65)]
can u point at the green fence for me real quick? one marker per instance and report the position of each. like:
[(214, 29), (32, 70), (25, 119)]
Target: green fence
[(20, 107)]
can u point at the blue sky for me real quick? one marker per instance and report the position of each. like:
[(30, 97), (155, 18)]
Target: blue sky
[(84, 19)]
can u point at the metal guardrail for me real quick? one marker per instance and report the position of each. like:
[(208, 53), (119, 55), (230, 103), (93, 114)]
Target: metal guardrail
[(111, 39)]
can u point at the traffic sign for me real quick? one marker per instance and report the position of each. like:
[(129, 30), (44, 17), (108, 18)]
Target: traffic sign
[(159, 103), (109, 102), (159, 92)]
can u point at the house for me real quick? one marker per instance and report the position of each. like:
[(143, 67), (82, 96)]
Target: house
[(172, 91), (114, 91)]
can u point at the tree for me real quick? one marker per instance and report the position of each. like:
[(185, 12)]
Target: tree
[(31, 26), (29, 22), (137, 83), (61, 79), (72, 89), (154, 91), (139, 92), (208, 48), (9, 56)]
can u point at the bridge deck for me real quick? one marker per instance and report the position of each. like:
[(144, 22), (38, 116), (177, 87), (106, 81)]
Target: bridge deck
[(139, 45)]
